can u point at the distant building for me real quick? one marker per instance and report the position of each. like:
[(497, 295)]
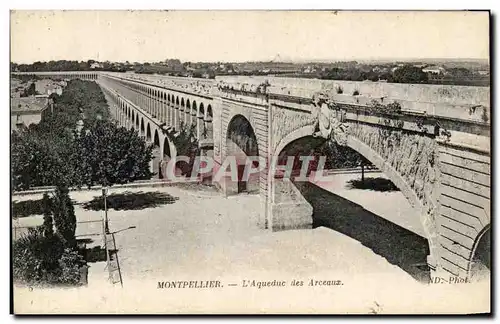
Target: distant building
[(434, 69), (96, 65), (17, 87), (47, 86), (380, 69), (54, 88), (27, 110)]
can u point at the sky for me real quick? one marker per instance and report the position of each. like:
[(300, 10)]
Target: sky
[(236, 36)]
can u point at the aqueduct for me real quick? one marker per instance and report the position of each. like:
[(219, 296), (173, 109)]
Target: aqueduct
[(432, 141)]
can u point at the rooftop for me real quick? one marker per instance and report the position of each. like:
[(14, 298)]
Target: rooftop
[(34, 104)]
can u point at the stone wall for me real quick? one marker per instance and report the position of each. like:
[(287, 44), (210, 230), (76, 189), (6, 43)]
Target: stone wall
[(464, 205), (458, 95)]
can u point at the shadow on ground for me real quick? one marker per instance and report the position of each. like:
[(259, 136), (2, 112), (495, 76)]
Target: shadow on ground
[(93, 254), (397, 245), (131, 201), (27, 208), (376, 184)]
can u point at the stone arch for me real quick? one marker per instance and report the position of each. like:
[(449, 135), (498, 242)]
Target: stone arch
[(166, 155), (210, 113), (157, 155), (208, 118), (143, 131), (200, 119), (166, 148), (201, 111), (388, 170), (132, 121), (194, 115), (481, 253), (301, 142), (156, 139), (241, 143), (293, 136), (137, 122), (426, 243), (148, 132), (187, 113), (364, 150)]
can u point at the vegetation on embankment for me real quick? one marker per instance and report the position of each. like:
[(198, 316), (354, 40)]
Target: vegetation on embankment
[(58, 152)]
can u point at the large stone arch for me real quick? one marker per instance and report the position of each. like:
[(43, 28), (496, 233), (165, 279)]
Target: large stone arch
[(353, 136), (241, 143)]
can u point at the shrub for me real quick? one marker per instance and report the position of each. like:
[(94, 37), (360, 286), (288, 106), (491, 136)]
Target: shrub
[(41, 260), (36, 257), (64, 216), (70, 264), (48, 224)]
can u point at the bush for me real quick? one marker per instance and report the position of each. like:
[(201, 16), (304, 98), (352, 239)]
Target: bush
[(48, 222), (41, 260), (70, 264), (64, 216)]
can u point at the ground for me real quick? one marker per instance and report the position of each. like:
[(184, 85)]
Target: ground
[(204, 236)]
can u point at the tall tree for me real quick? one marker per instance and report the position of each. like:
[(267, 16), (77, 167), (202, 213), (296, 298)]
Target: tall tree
[(64, 216), (48, 223), (110, 154)]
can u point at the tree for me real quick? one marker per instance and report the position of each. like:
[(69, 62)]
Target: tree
[(39, 159), (48, 226), (187, 145), (409, 74), (64, 216), (52, 153), (109, 154)]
